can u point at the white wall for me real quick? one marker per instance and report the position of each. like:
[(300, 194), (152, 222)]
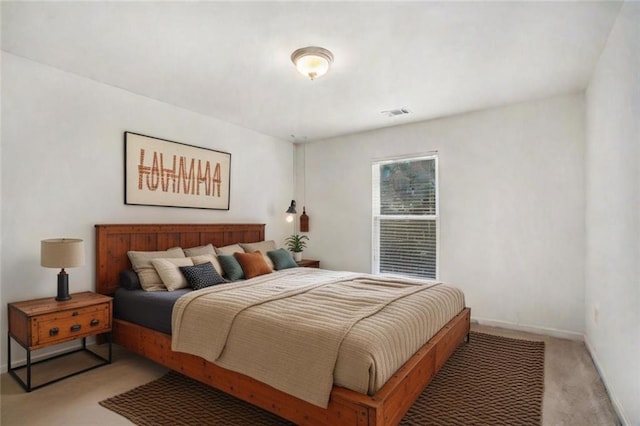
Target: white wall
[(63, 162), (1, 231), (613, 214), (511, 204)]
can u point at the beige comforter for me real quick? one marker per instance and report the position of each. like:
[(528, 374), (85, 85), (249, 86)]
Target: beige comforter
[(302, 330)]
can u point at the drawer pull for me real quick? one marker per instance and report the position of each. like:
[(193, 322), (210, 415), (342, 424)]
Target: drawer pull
[(94, 322), (76, 327), (54, 331)]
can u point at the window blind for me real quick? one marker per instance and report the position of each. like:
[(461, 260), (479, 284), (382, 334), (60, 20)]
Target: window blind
[(405, 219)]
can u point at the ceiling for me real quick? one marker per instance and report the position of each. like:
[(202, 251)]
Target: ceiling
[(231, 60)]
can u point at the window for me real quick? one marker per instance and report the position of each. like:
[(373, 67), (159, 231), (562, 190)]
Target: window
[(405, 216)]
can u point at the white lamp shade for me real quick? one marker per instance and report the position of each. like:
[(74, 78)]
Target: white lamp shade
[(61, 253)]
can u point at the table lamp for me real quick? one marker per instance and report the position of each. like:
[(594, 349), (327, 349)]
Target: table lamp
[(62, 253)]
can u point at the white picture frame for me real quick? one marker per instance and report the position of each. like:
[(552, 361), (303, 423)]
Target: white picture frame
[(160, 172)]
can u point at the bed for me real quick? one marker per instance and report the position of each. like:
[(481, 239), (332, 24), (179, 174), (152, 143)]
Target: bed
[(385, 407)]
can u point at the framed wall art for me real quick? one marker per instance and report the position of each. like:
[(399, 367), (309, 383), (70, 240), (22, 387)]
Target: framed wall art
[(160, 172)]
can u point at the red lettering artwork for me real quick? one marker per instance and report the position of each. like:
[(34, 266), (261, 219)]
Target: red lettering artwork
[(192, 177)]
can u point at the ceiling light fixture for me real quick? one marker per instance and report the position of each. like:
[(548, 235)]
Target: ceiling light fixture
[(312, 61)]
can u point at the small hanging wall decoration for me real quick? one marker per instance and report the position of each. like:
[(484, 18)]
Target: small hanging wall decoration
[(304, 220)]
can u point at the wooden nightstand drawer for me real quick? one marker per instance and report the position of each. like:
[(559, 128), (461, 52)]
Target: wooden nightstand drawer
[(32, 322), (70, 324)]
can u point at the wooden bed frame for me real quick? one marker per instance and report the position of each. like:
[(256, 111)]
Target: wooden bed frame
[(346, 407)]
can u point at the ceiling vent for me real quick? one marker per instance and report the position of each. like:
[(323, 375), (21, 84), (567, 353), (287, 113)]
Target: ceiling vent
[(396, 112)]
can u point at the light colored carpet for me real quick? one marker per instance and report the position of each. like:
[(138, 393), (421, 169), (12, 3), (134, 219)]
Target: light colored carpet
[(574, 393)]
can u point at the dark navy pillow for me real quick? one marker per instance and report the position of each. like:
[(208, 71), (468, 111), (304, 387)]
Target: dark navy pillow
[(129, 280), (201, 276)]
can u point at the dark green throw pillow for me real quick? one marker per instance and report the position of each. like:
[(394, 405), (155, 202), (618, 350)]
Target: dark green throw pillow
[(282, 259), (232, 268), (201, 276)]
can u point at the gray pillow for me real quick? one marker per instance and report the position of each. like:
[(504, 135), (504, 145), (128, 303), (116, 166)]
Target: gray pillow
[(282, 259), (231, 266)]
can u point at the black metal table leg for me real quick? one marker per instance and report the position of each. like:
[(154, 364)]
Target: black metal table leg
[(28, 370), (27, 385), (12, 371), (109, 340), (8, 352)]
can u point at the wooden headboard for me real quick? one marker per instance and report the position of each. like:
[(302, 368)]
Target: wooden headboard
[(114, 241)]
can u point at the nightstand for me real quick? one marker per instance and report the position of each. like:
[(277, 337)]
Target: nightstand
[(39, 323), (309, 263)]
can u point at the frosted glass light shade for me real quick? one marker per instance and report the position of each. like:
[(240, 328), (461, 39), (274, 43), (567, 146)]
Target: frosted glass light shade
[(61, 253), (291, 211), (312, 61)]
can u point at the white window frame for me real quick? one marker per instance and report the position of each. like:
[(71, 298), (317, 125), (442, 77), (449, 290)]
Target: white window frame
[(376, 216)]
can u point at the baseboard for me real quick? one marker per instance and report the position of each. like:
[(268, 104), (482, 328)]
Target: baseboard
[(546, 331), (622, 418)]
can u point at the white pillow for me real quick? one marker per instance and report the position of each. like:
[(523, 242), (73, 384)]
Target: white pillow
[(141, 263), (169, 272), (199, 260), (199, 251), (229, 250)]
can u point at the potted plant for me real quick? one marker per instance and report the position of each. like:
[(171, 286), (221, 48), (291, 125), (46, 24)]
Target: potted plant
[(296, 244)]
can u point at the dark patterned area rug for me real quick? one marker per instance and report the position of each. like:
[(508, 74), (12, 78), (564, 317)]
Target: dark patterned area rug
[(490, 381)]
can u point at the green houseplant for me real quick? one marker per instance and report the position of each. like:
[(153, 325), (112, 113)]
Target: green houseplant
[(296, 244)]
